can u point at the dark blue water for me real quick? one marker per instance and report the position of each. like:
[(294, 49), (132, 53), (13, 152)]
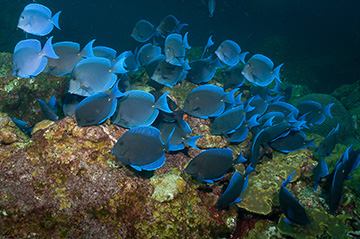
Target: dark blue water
[(317, 40)]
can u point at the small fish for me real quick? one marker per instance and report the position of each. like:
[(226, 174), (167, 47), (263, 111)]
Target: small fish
[(236, 187), (140, 148), (138, 108), (259, 70), (69, 55), (208, 101), (313, 112), (233, 77), (208, 45), (284, 108), (36, 19), (131, 62), (241, 133), (292, 142), (70, 102), (336, 189), (49, 109), (328, 144), (210, 165), (319, 172), (292, 209), (211, 6), (174, 49), (29, 59), (104, 51), (94, 75), (143, 31), (229, 52), (23, 126), (285, 93), (168, 25), (148, 52), (203, 70), (168, 74), (258, 104)]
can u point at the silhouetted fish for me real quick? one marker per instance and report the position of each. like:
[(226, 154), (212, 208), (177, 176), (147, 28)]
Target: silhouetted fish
[(169, 24), (148, 52), (233, 77), (143, 31), (313, 112), (49, 109), (36, 19), (293, 141), (328, 144)]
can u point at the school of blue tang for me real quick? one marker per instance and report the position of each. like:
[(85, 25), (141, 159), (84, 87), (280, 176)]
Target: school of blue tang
[(99, 89)]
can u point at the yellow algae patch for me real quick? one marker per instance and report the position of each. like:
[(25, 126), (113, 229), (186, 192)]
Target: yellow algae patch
[(42, 125), (167, 186)]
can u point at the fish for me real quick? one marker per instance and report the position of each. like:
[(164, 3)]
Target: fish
[(211, 6), (319, 172), (94, 75), (140, 148), (292, 209), (70, 102), (203, 70), (236, 187), (148, 52), (313, 112), (69, 55), (258, 104), (104, 51), (259, 70), (208, 45), (96, 108), (229, 121), (233, 78), (168, 74), (327, 145), (283, 107), (37, 19), (229, 52), (131, 62), (241, 132), (22, 125), (138, 108), (143, 31), (285, 93), (174, 49), (168, 25), (292, 142), (29, 59), (49, 109), (210, 165), (207, 101)]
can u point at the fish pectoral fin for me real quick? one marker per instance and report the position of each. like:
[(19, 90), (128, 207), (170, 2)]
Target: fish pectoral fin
[(287, 220)]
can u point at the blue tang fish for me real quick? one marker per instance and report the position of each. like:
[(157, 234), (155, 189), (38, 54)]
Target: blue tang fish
[(95, 74), (70, 102), (313, 112), (174, 48), (236, 187), (203, 70), (69, 55), (284, 108), (242, 131), (96, 108), (211, 6), (49, 109), (131, 62), (328, 144), (29, 59), (319, 172), (292, 209), (259, 70), (104, 51), (208, 101), (138, 108), (293, 141), (208, 45), (36, 19), (210, 165), (169, 24), (168, 74), (233, 77), (285, 93), (141, 148), (229, 52), (143, 31), (148, 52)]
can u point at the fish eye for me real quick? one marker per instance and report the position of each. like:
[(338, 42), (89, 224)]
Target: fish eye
[(22, 17)]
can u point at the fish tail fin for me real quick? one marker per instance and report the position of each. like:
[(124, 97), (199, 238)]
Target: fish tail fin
[(278, 89), (229, 97), (217, 63), (288, 179), (185, 41), (52, 102), (310, 143), (238, 100), (48, 49), (242, 57), (276, 72), (162, 104), (55, 20), (87, 51), (326, 110), (191, 141), (253, 121), (180, 27), (115, 92), (119, 66), (248, 170), (208, 44)]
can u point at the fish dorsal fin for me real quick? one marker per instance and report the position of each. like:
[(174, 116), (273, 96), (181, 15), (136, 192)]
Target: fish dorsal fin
[(40, 8)]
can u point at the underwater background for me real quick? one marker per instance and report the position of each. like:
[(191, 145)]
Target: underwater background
[(61, 181)]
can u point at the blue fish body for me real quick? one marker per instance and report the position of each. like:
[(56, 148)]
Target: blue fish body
[(233, 77), (336, 190), (70, 102), (202, 70), (29, 59), (168, 25), (95, 109), (229, 52), (241, 133), (167, 74), (211, 6), (292, 142), (328, 144), (138, 108), (148, 52), (313, 112), (143, 31), (36, 19), (175, 46), (49, 109), (106, 52), (229, 121), (236, 187), (140, 148), (259, 70), (292, 209), (319, 172)]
